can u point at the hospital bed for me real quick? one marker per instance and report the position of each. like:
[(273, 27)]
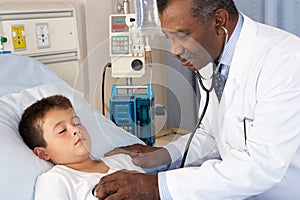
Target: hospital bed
[(22, 82)]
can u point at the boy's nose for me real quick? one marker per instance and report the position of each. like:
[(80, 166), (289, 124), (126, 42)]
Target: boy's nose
[(75, 130)]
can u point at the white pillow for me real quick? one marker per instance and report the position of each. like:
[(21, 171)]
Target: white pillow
[(22, 72), (19, 166)]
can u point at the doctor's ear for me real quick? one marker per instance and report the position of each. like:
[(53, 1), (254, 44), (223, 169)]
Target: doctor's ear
[(220, 29), (41, 153), (218, 21), (221, 17)]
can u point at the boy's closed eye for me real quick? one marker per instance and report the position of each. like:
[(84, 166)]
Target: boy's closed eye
[(62, 131)]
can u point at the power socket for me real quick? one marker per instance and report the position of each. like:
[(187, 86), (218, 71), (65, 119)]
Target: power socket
[(18, 37), (42, 35)]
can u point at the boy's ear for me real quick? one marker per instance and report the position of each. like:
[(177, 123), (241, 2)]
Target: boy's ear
[(41, 153)]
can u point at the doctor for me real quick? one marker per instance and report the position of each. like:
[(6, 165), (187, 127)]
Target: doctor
[(247, 145)]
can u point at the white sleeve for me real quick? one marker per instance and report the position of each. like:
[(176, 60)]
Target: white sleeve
[(202, 148), (51, 186)]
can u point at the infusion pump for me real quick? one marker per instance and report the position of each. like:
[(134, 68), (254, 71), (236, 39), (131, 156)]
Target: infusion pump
[(126, 47)]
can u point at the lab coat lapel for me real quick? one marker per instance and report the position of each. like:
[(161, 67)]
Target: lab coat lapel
[(239, 68)]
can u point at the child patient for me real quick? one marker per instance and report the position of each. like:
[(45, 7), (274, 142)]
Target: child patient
[(52, 130)]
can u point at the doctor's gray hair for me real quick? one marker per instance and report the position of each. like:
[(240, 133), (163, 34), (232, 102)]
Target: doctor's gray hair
[(203, 9)]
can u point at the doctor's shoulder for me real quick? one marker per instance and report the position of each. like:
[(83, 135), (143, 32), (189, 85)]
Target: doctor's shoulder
[(278, 39)]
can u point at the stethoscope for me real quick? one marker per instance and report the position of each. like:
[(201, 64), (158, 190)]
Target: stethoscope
[(199, 77)]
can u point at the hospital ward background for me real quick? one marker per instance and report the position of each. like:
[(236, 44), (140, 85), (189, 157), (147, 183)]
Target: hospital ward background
[(114, 65)]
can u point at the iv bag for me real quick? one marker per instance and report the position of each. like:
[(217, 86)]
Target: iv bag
[(147, 16)]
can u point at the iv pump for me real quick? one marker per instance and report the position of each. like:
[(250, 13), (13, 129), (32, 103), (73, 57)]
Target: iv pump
[(130, 54)]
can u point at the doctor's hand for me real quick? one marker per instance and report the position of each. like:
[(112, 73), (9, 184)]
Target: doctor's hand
[(144, 156), (127, 185)]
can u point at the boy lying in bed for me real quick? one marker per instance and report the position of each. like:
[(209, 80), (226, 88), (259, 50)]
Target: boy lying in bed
[(52, 130)]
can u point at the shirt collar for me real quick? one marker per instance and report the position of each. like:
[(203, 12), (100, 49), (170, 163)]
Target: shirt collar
[(230, 46)]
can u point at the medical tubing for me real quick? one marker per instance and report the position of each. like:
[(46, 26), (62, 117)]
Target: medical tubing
[(198, 76), (148, 55), (103, 93)]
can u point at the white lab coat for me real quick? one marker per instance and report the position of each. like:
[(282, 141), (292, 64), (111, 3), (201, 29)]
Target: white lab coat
[(263, 86)]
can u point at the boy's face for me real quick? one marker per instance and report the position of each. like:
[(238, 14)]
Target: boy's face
[(67, 139)]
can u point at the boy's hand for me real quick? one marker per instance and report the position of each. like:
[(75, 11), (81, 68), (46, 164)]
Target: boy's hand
[(144, 156)]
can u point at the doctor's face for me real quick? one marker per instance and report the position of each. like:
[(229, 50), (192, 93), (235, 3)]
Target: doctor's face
[(67, 139), (193, 42)]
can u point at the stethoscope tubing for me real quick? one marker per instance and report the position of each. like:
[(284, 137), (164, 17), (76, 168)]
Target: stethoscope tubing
[(207, 91)]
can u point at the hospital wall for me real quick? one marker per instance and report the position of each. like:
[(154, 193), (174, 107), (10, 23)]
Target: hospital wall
[(93, 33), (279, 13)]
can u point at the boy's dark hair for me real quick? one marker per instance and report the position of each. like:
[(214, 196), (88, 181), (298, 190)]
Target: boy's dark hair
[(31, 123)]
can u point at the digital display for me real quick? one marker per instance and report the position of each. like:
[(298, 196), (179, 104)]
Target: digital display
[(123, 115), (119, 21), (118, 24), (123, 109)]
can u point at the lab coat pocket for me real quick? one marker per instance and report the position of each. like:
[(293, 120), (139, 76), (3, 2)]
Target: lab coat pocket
[(235, 134)]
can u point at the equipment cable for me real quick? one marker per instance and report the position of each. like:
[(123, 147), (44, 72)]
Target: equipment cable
[(108, 65)]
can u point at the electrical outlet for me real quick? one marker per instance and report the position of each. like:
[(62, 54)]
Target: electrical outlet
[(42, 35), (18, 37)]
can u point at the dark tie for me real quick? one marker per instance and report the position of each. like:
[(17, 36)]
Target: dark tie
[(220, 80)]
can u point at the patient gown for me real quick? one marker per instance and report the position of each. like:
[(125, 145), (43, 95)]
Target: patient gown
[(62, 183)]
